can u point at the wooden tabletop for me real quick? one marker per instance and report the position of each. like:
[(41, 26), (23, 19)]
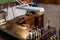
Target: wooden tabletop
[(18, 32), (22, 33)]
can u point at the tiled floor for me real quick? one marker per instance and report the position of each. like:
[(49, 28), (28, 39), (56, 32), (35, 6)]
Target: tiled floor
[(52, 13)]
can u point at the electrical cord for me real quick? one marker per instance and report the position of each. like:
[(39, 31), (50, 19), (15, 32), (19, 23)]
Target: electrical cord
[(7, 6), (13, 10)]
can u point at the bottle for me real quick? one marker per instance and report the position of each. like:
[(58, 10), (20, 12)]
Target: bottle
[(34, 35), (48, 24), (30, 35), (39, 32)]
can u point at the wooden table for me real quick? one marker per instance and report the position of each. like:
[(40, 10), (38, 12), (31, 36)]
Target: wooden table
[(17, 32), (22, 34), (14, 30)]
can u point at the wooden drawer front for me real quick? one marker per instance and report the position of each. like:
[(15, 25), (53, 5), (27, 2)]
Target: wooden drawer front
[(32, 25), (40, 22), (57, 1), (40, 18), (28, 1), (30, 20)]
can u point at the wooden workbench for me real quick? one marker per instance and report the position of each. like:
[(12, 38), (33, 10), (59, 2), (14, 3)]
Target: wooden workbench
[(22, 34), (17, 32)]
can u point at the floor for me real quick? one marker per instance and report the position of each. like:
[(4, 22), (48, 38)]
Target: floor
[(52, 13)]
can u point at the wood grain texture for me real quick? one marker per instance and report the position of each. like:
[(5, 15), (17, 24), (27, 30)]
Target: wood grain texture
[(27, 1), (50, 1)]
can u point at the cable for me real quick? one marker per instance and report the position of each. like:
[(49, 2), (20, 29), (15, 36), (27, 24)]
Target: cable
[(2, 4), (12, 9), (7, 6)]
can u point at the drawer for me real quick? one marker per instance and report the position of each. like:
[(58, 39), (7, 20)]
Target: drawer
[(40, 18), (30, 21)]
